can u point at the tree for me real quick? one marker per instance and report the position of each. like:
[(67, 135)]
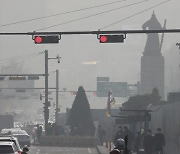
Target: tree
[(140, 102), (80, 117)]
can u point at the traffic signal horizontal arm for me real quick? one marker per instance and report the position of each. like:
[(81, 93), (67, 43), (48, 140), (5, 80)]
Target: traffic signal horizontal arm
[(97, 32)]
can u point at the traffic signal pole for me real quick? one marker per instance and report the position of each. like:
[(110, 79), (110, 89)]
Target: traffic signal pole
[(46, 110), (57, 98)]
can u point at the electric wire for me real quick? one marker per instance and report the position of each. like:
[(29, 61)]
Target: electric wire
[(19, 57), (91, 15), (62, 13), (27, 58), (135, 14), (15, 64)]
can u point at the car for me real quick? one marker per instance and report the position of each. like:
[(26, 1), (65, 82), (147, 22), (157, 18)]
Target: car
[(9, 138), (8, 148), (22, 136), (7, 131)]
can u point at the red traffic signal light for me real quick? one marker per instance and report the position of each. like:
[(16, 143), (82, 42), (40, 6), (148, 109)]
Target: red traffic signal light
[(38, 39), (103, 39), (111, 38), (45, 39)]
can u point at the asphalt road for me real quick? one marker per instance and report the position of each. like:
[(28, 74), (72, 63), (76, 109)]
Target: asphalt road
[(61, 150)]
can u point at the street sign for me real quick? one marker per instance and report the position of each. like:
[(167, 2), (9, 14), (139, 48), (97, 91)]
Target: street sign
[(118, 89), (17, 78), (103, 79), (33, 77)]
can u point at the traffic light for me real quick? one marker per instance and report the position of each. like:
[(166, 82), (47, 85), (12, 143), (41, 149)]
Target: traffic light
[(45, 39), (111, 38)]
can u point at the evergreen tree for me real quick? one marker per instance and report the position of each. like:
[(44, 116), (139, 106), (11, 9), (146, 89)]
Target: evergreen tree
[(80, 119)]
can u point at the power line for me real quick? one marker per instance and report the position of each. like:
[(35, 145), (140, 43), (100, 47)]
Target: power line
[(135, 14), (27, 58), (92, 15), (63, 13), (19, 57)]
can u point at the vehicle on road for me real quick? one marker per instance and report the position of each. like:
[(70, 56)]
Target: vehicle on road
[(22, 136), (7, 131), (10, 138), (8, 148)]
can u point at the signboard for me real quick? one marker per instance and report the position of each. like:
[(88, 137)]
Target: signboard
[(118, 89), (33, 77), (105, 79), (17, 78)]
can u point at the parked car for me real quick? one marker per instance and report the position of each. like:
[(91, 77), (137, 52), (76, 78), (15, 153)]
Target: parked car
[(8, 148), (22, 136), (5, 138)]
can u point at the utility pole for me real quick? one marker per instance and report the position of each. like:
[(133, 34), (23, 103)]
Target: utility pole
[(46, 110), (57, 93), (47, 103)]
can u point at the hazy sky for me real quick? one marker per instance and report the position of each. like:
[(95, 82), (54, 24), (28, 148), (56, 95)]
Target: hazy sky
[(121, 62)]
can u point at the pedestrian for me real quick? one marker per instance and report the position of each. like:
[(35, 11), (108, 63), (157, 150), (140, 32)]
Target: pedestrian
[(159, 142), (73, 131), (39, 132), (101, 134), (148, 142), (137, 142), (120, 148), (130, 137), (119, 134), (67, 130), (34, 135)]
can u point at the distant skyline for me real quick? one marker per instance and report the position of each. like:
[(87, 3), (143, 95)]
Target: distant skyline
[(121, 62)]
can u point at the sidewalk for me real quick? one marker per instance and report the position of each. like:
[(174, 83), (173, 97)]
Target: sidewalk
[(102, 149)]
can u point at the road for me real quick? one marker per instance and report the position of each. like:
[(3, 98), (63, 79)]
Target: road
[(61, 150)]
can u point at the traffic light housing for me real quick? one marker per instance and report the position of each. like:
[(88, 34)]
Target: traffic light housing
[(111, 38), (45, 39)]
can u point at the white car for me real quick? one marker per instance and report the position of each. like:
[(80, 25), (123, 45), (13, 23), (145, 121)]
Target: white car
[(8, 148), (6, 138)]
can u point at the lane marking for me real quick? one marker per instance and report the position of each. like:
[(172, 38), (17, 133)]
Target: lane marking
[(89, 150)]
